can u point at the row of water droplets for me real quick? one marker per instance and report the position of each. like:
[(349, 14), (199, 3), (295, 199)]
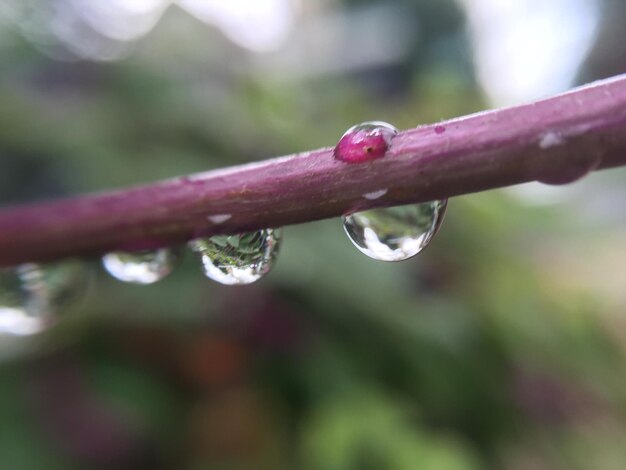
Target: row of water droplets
[(31, 295), (228, 259)]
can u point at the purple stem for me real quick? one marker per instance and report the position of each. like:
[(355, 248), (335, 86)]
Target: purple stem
[(555, 141)]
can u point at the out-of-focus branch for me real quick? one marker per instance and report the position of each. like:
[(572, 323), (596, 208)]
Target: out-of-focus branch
[(555, 141)]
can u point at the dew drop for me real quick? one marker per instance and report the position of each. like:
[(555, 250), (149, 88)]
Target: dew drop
[(364, 142), (238, 259), (395, 233), (574, 168), (32, 295), (141, 267)]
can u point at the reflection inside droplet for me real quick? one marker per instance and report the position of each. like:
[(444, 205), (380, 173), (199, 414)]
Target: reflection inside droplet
[(15, 321), (141, 267), (395, 233), (238, 259)]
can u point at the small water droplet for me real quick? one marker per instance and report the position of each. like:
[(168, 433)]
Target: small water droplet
[(238, 259), (395, 233), (31, 295), (141, 267), (364, 142)]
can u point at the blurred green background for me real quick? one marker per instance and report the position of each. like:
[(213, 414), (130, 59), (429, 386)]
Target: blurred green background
[(502, 346)]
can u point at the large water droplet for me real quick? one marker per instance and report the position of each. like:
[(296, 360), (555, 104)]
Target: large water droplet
[(238, 259), (395, 233), (141, 267), (32, 295), (364, 142)]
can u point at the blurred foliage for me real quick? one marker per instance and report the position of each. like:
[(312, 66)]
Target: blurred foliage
[(502, 346)]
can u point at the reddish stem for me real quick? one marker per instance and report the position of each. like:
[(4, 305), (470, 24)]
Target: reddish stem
[(556, 141)]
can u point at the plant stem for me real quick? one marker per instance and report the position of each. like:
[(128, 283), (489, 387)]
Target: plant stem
[(556, 141)]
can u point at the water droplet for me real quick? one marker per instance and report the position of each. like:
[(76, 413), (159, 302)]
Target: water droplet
[(395, 233), (141, 267), (238, 259), (364, 142), (570, 168), (31, 295)]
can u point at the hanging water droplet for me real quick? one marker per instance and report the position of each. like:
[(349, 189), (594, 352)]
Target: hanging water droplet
[(395, 233), (366, 141), (32, 295), (141, 267), (238, 259)]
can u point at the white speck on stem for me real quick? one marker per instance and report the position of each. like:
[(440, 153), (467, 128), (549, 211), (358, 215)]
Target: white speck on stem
[(550, 139), (219, 218), (375, 194)]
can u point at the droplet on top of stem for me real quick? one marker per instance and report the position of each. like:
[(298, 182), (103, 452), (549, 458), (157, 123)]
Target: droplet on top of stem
[(364, 142), (395, 233)]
